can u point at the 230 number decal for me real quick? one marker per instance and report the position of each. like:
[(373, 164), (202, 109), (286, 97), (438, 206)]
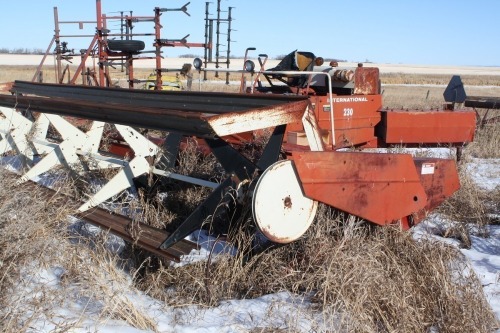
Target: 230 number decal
[(348, 112)]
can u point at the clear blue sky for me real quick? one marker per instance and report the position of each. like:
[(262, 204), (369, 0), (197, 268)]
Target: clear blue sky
[(441, 32)]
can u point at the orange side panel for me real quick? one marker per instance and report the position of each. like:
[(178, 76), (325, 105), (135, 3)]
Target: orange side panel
[(439, 178), (421, 127), (381, 188)]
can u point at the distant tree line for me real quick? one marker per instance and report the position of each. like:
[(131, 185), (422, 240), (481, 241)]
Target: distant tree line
[(4, 50)]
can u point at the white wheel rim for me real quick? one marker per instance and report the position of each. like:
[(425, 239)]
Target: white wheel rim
[(280, 209)]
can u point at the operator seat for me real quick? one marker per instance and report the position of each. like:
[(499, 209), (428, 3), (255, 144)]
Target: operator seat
[(295, 61)]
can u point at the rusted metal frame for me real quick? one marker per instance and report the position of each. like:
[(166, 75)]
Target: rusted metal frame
[(206, 102), (66, 69), (130, 66), (158, 26), (84, 59), (482, 102), (125, 230), (39, 68), (110, 35), (215, 103), (171, 150), (311, 128), (228, 51), (106, 64), (258, 118), (217, 34), (138, 233), (231, 160), (101, 50), (58, 47), (133, 18), (188, 123)]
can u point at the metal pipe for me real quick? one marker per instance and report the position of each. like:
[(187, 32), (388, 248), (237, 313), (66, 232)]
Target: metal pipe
[(82, 63), (111, 35), (77, 22), (58, 44), (158, 83), (100, 44), (39, 68), (228, 56), (207, 42), (217, 34)]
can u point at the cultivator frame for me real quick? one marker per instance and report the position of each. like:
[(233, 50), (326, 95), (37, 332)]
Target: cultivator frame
[(107, 57)]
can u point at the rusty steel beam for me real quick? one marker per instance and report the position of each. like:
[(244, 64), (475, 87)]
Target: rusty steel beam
[(206, 102), (165, 120), (135, 232), (482, 102), (205, 115)]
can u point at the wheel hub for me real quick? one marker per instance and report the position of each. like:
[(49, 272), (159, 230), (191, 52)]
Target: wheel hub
[(280, 209)]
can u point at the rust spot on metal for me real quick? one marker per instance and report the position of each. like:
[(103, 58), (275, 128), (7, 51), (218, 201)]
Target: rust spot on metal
[(5, 87), (366, 81), (287, 202)]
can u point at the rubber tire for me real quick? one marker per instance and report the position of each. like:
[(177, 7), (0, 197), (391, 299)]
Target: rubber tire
[(130, 46)]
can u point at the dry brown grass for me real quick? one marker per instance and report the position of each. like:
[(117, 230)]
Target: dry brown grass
[(119, 77), (486, 141), (38, 250), (358, 278), (438, 79), (361, 280)]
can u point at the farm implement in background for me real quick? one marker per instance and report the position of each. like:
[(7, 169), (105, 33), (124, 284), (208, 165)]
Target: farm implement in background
[(321, 122), (455, 94)]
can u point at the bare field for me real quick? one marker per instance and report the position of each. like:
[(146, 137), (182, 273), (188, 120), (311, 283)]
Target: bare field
[(407, 88), (34, 60)]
